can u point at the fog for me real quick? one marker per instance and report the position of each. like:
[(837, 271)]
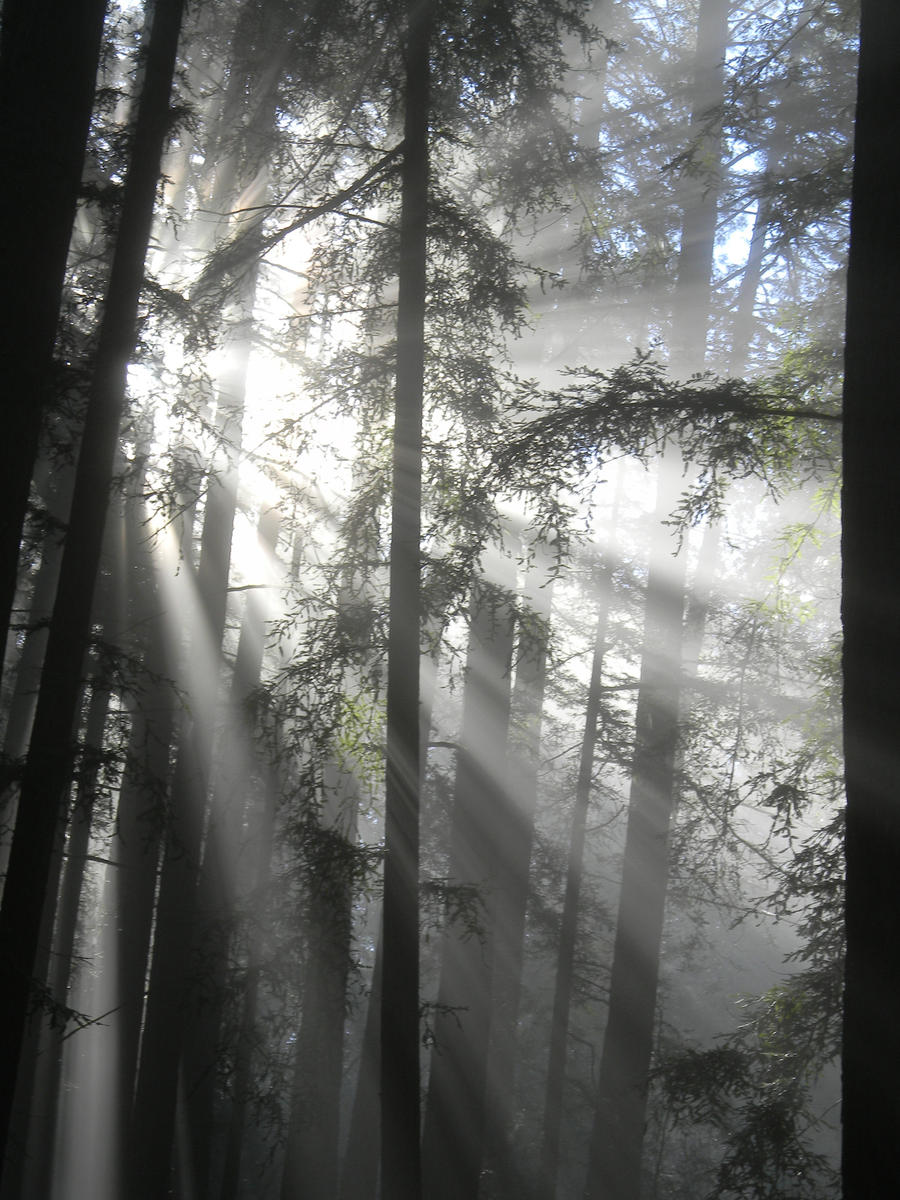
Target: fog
[(619, 774)]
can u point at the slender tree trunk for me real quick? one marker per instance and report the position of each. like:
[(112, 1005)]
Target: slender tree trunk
[(614, 1166), (49, 760), (700, 192), (23, 698), (359, 1178), (48, 1083), (568, 930), (359, 1175), (311, 1162), (453, 1140), (247, 1033), (140, 815), (400, 1157), (48, 66), (511, 881), (871, 600)]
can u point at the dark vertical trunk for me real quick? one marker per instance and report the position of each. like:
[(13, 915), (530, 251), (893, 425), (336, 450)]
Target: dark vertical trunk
[(359, 1175), (359, 1178), (568, 930), (244, 1058), (511, 881), (49, 760), (453, 1140), (37, 1096), (48, 66), (23, 697), (614, 1167), (140, 815), (311, 1162), (48, 1082), (700, 193), (400, 1157), (871, 601)]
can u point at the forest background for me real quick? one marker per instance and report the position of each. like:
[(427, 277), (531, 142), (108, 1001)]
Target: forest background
[(422, 734)]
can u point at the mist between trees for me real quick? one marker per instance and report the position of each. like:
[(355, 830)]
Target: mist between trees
[(422, 731)]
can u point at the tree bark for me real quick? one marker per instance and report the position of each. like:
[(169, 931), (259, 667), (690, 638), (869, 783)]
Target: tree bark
[(614, 1167), (400, 1157), (48, 767), (565, 956), (49, 54), (511, 883), (870, 603), (453, 1139)]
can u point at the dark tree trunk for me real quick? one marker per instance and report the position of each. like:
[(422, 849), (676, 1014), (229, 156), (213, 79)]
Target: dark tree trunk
[(511, 883), (871, 602), (140, 814), (24, 691), (51, 1072), (614, 1166), (311, 1162), (700, 193), (400, 1157), (359, 1178), (48, 66), (568, 930), (453, 1140), (247, 1032), (359, 1175), (49, 761)]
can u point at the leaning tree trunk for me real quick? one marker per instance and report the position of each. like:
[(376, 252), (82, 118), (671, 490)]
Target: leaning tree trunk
[(48, 67), (49, 761), (870, 603), (400, 1157)]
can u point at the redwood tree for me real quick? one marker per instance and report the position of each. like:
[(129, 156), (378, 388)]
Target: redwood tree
[(400, 1158), (49, 760), (870, 604)]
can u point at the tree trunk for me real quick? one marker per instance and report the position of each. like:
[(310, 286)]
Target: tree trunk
[(48, 66), (400, 1157), (700, 193), (51, 1074), (359, 1175), (49, 760), (871, 600), (568, 930), (311, 1162), (614, 1166), (511, 882), (453, 1140), (140, 814)]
